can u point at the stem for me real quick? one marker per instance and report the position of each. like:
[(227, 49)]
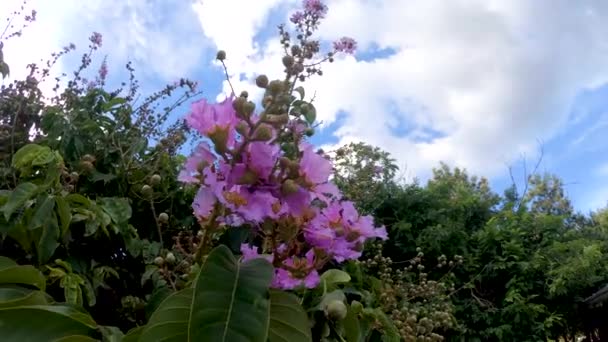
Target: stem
[(160, 233), (228, 77)]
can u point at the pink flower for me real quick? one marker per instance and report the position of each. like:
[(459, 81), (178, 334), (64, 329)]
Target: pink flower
[(305, 275), (297, 17), (315, 8), (314, 167), (200, 159), (346, 45), (96, 39), (217, 121), (251, 252)]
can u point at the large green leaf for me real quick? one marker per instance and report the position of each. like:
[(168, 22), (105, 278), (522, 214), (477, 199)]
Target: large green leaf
[(229, 302), (18, 274), (48, 240), (65, 214), (22, 193), (31, 154), (118, 209), (42, 212), (288, 320), (44, 323), (11, 296)]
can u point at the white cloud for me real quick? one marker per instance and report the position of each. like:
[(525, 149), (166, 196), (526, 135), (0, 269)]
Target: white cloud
[(493, 76), (161, 37)]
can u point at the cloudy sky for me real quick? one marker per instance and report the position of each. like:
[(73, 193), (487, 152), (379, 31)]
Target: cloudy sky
[(479, 83)]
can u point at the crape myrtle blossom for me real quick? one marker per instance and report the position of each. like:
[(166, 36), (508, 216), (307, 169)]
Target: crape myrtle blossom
[(258, 171)]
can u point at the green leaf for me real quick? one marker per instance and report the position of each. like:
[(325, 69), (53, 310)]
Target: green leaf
[(334, 295), (229, 302), (79, 200), (118, 208), (300, 90), (21, 274), (43, 211), (12, 296), (288, 321), (22, 193), (352, 330), (50, 323), (48, 240), (134, 335), (64, 213), (335, 276), (311, 114), (27, 154), (111, 334), (76, 338), (97, 176)]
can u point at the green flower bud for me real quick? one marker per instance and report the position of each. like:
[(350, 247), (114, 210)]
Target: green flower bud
[(280, 119), (163, 218), (288, 61), (249, 177), (262, 81), (309, 132), (74, 176), (263, 133), (238, 104), (89, 158), (87, 166), (155, 180), (244, 94), (159, 261), (248, 108), (170, 258), (146, 190), (289, 187), (336, 310), (221, 55), (356, 306), (242, 128), (275, 87)]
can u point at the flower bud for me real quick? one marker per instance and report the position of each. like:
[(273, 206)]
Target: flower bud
[(309, 132), (262, 81), (289, 187), (263, 133), (238, 104), (242, 128), (336, 310), (244, 94), (87, 165), (275, 87), (219, 137), (249, 178), (170, 258), (146, 190), (356, 306), (248, 108), (221, 55), (163, 218), (288, 61), (74, 176), (280, 119), (155, 180), (89, 158), (159, 261)]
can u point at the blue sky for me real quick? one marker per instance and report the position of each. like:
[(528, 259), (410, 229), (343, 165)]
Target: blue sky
[(478, 84)]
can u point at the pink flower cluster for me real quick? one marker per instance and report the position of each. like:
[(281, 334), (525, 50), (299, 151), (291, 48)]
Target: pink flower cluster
[(247, 177)]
